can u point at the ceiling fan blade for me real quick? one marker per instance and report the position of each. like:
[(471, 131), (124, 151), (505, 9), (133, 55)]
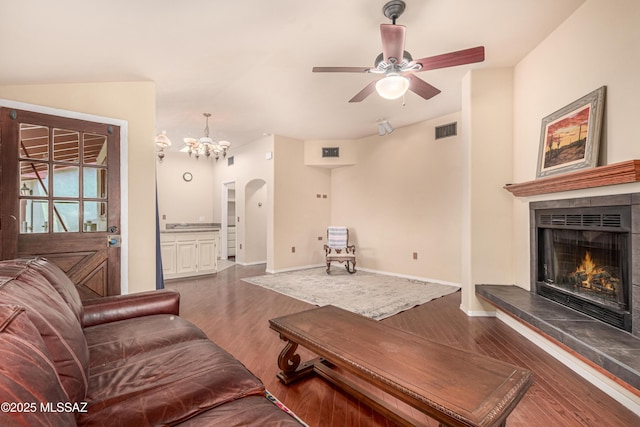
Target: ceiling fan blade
[(341, 69), (368, 90), (392, 41), (451, 59), (422, 88)]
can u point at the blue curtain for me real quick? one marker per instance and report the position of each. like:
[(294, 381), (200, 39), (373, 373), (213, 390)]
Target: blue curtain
[(159, 275)]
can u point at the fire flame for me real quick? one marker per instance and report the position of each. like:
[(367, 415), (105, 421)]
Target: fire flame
[(590, 276)]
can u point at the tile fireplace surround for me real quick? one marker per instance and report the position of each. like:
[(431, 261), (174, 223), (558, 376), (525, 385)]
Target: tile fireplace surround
[(612, 351)]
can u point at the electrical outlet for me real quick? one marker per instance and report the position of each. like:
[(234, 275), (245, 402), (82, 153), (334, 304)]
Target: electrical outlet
[(293, 249), (415, 255), (319, 237)]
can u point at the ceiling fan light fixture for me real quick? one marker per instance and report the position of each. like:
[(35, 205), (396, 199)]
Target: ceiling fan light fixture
[(392, 86)]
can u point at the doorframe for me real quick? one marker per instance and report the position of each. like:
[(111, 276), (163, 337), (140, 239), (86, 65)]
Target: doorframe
[(124, 174), (224, 218)]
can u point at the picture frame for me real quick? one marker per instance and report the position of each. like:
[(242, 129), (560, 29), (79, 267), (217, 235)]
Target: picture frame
[(570, 137)]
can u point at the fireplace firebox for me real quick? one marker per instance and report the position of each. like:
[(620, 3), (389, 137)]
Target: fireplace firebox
[(583, 260)]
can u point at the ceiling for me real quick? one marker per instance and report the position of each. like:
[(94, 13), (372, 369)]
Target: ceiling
[(248, 63)]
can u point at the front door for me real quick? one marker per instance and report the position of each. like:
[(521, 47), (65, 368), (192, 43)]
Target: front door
[(60, 196)]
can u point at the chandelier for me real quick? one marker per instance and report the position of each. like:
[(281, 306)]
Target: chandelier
[(205, 145)]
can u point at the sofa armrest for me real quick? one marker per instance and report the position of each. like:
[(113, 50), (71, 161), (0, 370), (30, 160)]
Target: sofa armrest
[(122, 307)]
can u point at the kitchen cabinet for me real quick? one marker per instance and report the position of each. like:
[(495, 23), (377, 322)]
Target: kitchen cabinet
[(189, 253)]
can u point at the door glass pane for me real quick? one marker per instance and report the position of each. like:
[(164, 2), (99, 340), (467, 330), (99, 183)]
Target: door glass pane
[(33, 179), (94, 182), (95, 149), (66, 216), (95, 216), (33, 216), (66, 146), (34, 141), (65, 181)]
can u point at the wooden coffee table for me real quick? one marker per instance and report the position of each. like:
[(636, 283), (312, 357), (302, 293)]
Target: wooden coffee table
[(455, 387)]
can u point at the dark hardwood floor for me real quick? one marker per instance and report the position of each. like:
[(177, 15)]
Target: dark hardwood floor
[(235, 315)]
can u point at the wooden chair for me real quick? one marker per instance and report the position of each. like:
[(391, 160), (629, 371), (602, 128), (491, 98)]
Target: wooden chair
[(339, 249)]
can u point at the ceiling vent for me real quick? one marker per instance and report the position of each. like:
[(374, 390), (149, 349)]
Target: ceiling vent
[(330, 151), (446, 131)]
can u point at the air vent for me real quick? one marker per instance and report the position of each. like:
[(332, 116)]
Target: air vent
[(446, 131), (581, 220), (330, 151), (230, 160)]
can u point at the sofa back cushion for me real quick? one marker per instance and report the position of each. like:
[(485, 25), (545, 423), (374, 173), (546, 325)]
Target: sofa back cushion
[(55, 321), (60, 281), (27, 374)]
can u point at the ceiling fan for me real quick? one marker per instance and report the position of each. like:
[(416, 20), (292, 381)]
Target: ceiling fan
[(396, 66)]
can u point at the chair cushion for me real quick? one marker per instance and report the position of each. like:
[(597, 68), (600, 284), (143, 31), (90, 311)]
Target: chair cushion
[(337, 237), (58, 325), (27, 374)]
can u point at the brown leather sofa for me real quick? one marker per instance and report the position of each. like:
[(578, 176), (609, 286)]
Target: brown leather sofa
[(128, 360)]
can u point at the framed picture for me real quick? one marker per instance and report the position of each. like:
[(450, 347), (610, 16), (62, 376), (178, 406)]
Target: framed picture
[(570, 137)]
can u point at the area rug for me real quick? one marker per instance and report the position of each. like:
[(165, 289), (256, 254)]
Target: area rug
[(373, 295)]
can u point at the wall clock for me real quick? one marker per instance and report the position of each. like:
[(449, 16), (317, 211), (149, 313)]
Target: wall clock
[(187, 176)]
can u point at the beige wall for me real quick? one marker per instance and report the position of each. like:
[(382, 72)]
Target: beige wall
[(403, 196), (134, 103), (250, 164), (487, 110), (181, 201), (300, 217), (598, 45)]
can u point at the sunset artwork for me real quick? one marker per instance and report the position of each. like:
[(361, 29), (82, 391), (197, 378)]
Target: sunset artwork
[(566, 137), (570, 137)]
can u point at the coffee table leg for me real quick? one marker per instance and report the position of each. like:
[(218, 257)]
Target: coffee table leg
[(289, 363)]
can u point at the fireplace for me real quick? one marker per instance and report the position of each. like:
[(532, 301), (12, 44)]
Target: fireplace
[(583, 260)]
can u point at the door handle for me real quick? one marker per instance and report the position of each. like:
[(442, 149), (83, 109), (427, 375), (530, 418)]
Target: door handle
[(113, 241)]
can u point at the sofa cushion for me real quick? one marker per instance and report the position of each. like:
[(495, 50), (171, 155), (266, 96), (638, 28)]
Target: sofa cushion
[(118, 340), (60, 281), (52, 317), (250, 411), (27, 374), (166, 385)]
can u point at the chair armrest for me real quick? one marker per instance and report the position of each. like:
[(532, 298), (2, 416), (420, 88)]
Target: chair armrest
[(121, 307), (351, 249)]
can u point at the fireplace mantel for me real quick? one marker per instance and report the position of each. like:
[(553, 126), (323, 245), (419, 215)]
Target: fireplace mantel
[(617, 173)]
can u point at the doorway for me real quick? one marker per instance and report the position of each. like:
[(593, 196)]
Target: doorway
[(228, 240), (60, 191)]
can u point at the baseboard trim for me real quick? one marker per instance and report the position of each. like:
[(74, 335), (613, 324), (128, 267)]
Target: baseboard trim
[(407, 276), (477, 313), (303, 267), (629, 400)]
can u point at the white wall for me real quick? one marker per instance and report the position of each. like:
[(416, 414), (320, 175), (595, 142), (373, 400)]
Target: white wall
[(256, 210), (180, 201), (599, 45), (250, 163), (402, 196), (487, 111), (300, 217)]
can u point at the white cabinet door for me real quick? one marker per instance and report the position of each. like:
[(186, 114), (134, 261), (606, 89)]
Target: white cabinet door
[(187, 257), (168, 254), (207, 256)]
